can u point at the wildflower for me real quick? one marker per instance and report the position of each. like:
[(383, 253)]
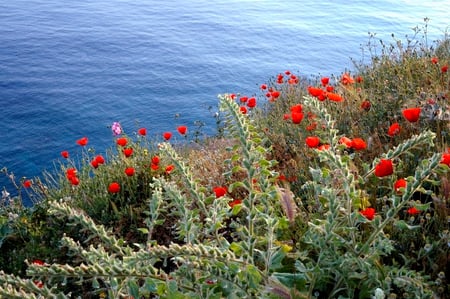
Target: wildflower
[(280, 78), (122, 141), (411, 114), (400, 183), (445, 159), (444, 68), (167, 135), (243, 109), (394, 129), (116, 128), (297, 108), (235, 202), (100, 159), (384, 168), (182, 130), (220, 191), (312, 141), (94, 163), (346, 141), (359, 79), (114, 187), (286, 116), (315, 91), (65, 154), (169, 168), (334, 97), (142, 131), (365, 105), (27, 184), (311, 126), (74, 181), (413, 211), (38, 283), (325, 81), (127, 151), (243, 99), (296, 117), (251, 103), (434, 60), (38, 262), (82, 141), (358, 144), (322, 147), (129, 171), (346, 79), (154, 166), (263, 86), (369, 213), (329, 88), (274, 95), (71, 172), (155, 160)]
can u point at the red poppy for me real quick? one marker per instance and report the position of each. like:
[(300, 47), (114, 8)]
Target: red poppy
[(27, 184), (394, 129), (74, 180), (167, 135), (82, 141), (325, 81), (243, 109), (400, 183), (296, 117), (444, 68), (345, 140), (280, 78), (128, 151), (359, 79), (182, 130), (169, 168), (220, 191), (99, 159), (384, 168), (243, 99), (323, 147), (329, 88), (235, 202), (346, 79), (293, 80), (94, 163), (142, 131), (412, 114), (71, 172), (312, 141), (365, 105), (413, 211), (434, 60), (114, 187), (251, 103), (154, 166), (287, 72), (122, 141), (274, 95), (286, 116), (38, 262), (155, 160), (315, 91), (129, 171), (334, 97), (38, 283), (297, 108), (263, 86), (65, 154), (445, 159), (358, 144), (369, 213)]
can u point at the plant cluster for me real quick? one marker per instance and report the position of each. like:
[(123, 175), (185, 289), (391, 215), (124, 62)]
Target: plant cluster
[(333, 187)]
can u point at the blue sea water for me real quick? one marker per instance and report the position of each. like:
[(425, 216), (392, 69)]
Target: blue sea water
[(69, 69)]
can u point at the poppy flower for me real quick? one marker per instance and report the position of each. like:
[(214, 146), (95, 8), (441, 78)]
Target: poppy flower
[(38, 262), (329, 88), (297, 108), (243, 99), (280, 78), (334, 97), (251, 103), (182, 130), (243, 109), (74, 180), (27, 184), (384, 168), (394, 129), (100, 159), (127, 151), (82, 141), (444, 68), (38, 283), (263, 86), (445, 159), (411, 114), (325, 81), (154, 166), (71, 172), (346, 141), (293, 80), (129, 171), (312, 141), (142, 131), (167, 135), (122, 141), (94, 163), (413, 211), (346, 79), (169, 168), (365, 105), (369, 213), (116, 128), (400, 183), (323, 147), (155, 160), (296, 117), (114, 187), (274, 94), (235, 202), (434, 60), (315, 91), (359, 79), (220, 191), (358, 144), (65, 154)]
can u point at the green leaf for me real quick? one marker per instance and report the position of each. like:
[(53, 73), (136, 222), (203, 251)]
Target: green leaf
[(143, 230), (277, 258), (402, 225), (133, 288)]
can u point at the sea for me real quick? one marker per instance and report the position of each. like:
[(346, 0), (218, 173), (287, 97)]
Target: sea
[(69, 69)]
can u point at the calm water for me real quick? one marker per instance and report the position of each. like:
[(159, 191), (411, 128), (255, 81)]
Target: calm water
[(70, 68)]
